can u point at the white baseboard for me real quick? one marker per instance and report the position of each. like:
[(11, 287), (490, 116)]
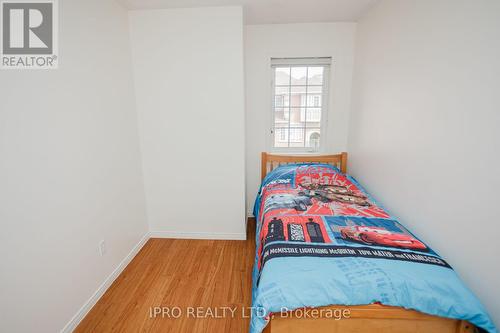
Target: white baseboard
[(77, 318), (199, 235)]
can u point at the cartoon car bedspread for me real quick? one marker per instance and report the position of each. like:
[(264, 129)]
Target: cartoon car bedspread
[(322, 240)]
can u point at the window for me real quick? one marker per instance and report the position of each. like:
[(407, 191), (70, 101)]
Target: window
[(299, 90), (316, 100)]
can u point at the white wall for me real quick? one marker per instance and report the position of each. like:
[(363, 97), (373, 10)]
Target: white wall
[(424, 134), (263, 42), (69, 171), (188, 71)]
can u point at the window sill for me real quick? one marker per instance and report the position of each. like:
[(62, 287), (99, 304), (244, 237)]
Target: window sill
[(288, 151)]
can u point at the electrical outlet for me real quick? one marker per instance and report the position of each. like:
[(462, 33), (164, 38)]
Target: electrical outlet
[(102, 248)]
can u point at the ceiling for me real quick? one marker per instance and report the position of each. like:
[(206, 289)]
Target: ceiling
[(273, 11)]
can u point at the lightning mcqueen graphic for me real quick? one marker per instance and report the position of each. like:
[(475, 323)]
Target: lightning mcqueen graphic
[(381, 236)]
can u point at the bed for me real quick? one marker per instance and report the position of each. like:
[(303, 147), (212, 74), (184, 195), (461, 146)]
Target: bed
[(291, 204)]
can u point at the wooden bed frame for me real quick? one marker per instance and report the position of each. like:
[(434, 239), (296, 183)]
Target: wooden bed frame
[(369, 318), (272, 161)]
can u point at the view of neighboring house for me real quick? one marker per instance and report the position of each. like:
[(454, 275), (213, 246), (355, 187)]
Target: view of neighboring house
[(298, 104)]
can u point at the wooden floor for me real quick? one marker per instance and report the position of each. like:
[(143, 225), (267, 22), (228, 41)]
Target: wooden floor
[(179, 273)]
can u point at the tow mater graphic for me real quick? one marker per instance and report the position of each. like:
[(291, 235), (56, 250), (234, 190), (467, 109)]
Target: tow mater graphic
[(329, 193), (380, 236)]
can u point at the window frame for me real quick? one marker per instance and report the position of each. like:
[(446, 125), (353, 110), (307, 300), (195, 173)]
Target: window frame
[(326, 63)]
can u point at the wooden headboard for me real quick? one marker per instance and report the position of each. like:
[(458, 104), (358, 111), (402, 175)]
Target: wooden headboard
[(272, 161)]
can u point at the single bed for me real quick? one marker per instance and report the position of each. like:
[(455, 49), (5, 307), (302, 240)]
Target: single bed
[(363, 318)]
